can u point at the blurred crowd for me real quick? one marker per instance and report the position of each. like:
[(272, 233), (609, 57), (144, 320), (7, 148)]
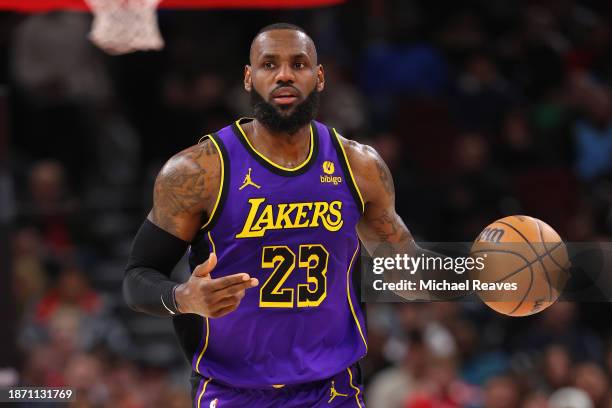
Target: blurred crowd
[(481, 109)]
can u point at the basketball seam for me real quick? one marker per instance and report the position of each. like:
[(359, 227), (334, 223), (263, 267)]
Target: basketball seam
[(543, 267), (527, 292), (552, 250), (521, 234), (564, 268), (538, 258), (528, 264)]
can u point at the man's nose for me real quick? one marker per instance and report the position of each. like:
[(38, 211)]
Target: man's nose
[(285, 74)]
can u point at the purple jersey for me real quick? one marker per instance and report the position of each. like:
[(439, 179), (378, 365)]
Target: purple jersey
[(293, 230)]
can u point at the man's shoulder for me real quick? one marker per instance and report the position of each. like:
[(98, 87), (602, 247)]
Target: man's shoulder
[(192, 175), (368, 168), (201, 154), (361, 156), (185, 189)]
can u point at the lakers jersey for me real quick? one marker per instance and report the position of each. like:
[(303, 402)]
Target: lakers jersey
[(294, 229)]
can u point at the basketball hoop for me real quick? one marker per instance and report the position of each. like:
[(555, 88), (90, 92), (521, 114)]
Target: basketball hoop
[(124, 26)]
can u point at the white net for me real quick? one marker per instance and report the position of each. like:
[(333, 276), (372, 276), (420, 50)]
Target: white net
[(124, 26)]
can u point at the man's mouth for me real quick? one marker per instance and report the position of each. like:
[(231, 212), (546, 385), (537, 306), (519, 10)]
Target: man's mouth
[(285, 95)]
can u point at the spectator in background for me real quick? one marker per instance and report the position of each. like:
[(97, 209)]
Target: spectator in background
[(41, 367), (474, 194), (536, 400), (72, 315), (29, 272), (557, 367), (441, 387), (47, 359), (591, 378), (344, 106), (60, 79), (50, 207), (122, 379), (478, 361), (391, 70), (593, 130), (85, 374), (70, 291), (502, 392), (559, 325), (54, 61), (608, 361), (480, 94), (391, 387), (515, 149), (570, 397)]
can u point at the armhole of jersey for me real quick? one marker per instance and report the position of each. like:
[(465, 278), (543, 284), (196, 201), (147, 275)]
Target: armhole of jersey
[(214, 215), (346, 167)]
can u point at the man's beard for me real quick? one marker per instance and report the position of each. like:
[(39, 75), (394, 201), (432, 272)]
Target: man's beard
[(273, 118)]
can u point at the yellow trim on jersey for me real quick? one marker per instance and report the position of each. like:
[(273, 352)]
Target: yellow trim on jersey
[(214, 249), (203, 348), (203, 138), (203, 390), (348, 295), (305, 162), (354, 387), (348, 165), (210, 217)]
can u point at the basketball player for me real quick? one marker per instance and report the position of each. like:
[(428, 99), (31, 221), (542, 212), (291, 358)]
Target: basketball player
[(270, 318)]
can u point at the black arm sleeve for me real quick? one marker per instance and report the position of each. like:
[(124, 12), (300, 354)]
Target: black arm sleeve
[(147, 286)]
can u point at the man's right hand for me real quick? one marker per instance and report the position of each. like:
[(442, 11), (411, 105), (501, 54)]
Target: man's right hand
[(212, 297)]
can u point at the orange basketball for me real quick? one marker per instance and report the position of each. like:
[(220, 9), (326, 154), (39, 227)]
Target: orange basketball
[(525, 265)]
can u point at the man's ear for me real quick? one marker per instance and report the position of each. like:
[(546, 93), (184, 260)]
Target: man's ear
[(320, 78), (248, 84)]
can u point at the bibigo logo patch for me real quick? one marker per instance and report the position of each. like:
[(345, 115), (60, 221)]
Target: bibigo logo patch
[(329, 168)]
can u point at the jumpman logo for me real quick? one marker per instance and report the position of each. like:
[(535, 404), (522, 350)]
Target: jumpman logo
[(248, 182), (333, 393)]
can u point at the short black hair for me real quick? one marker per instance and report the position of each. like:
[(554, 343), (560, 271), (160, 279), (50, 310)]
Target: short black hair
[(280, 26)]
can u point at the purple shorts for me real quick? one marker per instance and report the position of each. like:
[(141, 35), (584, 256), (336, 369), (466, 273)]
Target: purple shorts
[(343, 390)]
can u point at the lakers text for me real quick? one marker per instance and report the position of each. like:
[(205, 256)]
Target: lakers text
[(263, 217)]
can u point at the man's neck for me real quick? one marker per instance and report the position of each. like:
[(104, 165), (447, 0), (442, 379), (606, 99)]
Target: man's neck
[(287, 150)]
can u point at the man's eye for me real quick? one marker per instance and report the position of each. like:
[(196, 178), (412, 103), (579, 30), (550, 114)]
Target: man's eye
[(268, 65), (300, 65)]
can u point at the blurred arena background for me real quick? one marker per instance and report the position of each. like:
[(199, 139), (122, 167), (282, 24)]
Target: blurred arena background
[(480, 108)]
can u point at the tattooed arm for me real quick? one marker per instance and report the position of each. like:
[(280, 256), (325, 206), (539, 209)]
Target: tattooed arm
[(381, 230), (186, 189), (380, 223)]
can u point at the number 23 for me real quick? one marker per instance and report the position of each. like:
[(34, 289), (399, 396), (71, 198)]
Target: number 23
[(313, 258)]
